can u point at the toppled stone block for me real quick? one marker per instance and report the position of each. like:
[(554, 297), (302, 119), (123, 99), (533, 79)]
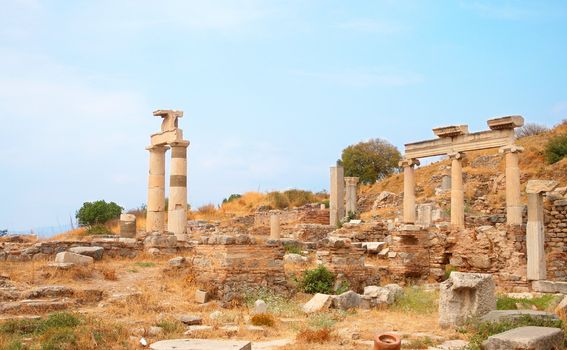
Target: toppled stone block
[(319, 302), (201, 344), (94, 252), (201, 297), (549, 287), (260, 307), (526, 338), (191, 320), (295, 259), (396, 290), (465, 295), (160, 241), (510, 315), (373, 247), (178, 262), (68, 257), (347, 300)]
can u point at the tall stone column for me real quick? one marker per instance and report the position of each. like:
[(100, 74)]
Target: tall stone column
[(155, 210), (535, 235), (337, 200), (457, 191), (275, 230), (409, 215), (351, 183), (514, 206), (177, 206)]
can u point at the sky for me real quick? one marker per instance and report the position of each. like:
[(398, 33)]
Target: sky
[(272, 91)]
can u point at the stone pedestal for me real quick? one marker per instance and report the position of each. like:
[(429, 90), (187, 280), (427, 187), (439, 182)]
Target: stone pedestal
[(457, 191), (514, 206), (155, 216), (128, 225), (337, 206), (177, 208), (275, 230), (535, 236), (351, 183), (409, 214)]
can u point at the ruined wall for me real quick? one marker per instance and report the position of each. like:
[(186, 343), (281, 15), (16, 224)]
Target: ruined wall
[(308, 214), (409, 256), (556, 239), (374, 231), (228, 271), (312, 232)]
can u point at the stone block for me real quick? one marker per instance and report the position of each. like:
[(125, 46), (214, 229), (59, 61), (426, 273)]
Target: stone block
[(526, 338), (68, 257), (177, 262), (201, 344), (191, 320), (201, 297), (510, 315), (541, 186), (465, 295), (319, 302), (347, 300), (260, 307), (94, 252)]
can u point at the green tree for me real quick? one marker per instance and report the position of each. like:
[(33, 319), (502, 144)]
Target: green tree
[(98, 212), (371, 160), (556, 148)]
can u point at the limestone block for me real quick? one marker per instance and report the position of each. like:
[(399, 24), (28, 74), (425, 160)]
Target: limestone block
[(201, 297), (191, 320), (94, 252), (68, 257), (465, 295), (381, 294), (319, 302), (177, 262), (201, 344), (295, 259), (260, 307), (510, 315), (526, 338), (373, 247), (347, 300), (396, 290), (541, 186)]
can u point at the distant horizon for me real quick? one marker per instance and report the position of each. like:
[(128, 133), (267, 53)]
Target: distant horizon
[(271, 91)]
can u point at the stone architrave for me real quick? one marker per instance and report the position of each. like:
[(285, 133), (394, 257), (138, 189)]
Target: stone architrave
[(535, 236), (337, 206), (155, 216), (351, 183), (275, 229), (514, 206), (457, 191), (177, 206), (409, 215)]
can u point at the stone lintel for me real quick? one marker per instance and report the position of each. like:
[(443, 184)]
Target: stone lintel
[(508, 122), (451, 130), (511, 149), (408, 162), (167, 137), (540, 186), (351, 180)]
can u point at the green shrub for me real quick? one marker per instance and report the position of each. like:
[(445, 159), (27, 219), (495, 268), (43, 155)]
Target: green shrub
[(481, 331), (59, 339), (171, 327), (99, 212), (326, 202), (292, 249), (98, 230), (278, 200), (232, 197), (556, 149), (145, 264), (507, 303), (298, 198), (319, 280)]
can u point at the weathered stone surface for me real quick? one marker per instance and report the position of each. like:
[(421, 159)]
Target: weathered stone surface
[(295, 259), (94, 252), (526, 338), (373, 247), (319, 302), (191, 320), (178, 262), (395, 289), (465, 295), (541, 186), (68, 257), (506, 315), (201, 297), (550, 287), (260, 307), (49, 292), (382, 295), (347, 300), (201, 344)]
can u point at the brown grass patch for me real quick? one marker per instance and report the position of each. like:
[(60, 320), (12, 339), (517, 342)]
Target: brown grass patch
[(320, 336), (108, 273), (263, 320)]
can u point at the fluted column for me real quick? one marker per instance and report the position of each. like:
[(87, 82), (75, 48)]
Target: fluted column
[(155, 211), (337, 200), (351, 183), (514, 206), (457, 191), (177, 206), (409, 214)]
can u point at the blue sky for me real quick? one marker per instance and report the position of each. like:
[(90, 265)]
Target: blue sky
[(272, 90)]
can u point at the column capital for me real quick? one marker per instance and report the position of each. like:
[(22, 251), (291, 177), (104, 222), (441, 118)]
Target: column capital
[(510, 149), (351, 180), (409, 162), (456, 155), (182, 143), (157, 148)]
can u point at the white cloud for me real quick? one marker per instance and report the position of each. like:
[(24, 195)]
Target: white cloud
[(366, 77)]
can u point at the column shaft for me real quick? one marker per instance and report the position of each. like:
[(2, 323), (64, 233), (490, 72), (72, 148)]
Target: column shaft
[(535, 238), (177, 206), (457, 192), (155, 211), (351, 183), (409, 214), (337, 195), (275, 231), (514, 206)]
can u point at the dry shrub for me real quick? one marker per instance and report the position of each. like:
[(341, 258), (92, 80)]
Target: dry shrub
[(263, 320), (109, 273), (75, 273), (320, 336)]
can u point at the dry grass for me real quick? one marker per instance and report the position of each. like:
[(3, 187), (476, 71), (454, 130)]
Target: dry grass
[(320, 336), (109, 273), (263, 320)]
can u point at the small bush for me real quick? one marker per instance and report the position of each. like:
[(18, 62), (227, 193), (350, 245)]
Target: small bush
[(171, 327), (556, 149), (98, 230), (326, 202), (58, 339), (109, 274), (292, 249), (481, 331), (231, 198), (263, 320), (278, 200), (298, 198), (314, 335), (99, 212), (319, 280), (531, 129)]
